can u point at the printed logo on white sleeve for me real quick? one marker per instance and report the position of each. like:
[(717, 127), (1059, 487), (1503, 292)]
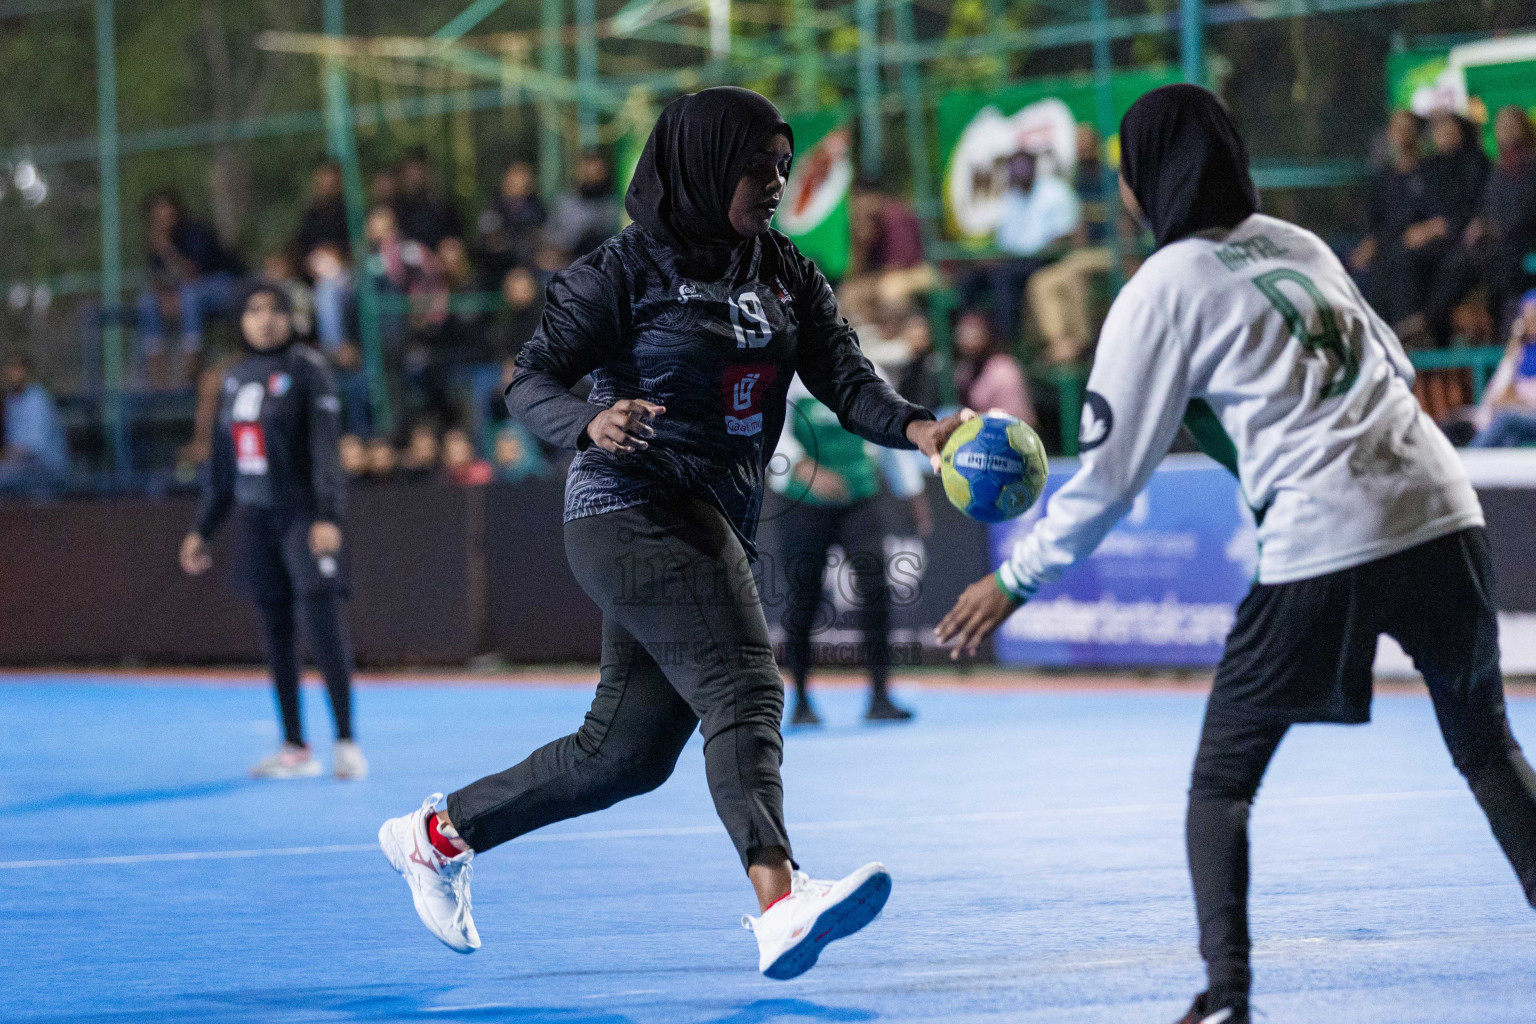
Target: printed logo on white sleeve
[(1097, 421)]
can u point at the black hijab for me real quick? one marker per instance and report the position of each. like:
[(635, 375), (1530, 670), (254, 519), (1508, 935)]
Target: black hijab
[(1185, 162), (687, 174)]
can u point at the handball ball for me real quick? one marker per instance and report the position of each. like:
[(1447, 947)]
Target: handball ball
[(993, 467)]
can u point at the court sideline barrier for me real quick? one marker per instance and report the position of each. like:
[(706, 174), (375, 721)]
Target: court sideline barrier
[(440, 575)]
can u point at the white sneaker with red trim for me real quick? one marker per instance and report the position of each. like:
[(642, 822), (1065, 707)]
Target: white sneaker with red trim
[(439, 885), (792, 932)]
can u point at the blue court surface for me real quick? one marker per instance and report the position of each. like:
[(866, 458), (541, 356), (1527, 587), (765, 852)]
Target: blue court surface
[(1035, 838)]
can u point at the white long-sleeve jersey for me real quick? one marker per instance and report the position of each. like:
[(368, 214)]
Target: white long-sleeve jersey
[(1260, 331)]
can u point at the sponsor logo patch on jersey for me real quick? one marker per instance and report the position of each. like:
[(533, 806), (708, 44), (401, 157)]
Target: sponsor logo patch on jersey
[(781, 291), (250, 449), (1097, 421), (742, 388), (686, 291), (278, 384)]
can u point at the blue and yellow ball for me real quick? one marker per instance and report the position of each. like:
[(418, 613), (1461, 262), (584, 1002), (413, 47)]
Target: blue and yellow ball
[(993, 467)]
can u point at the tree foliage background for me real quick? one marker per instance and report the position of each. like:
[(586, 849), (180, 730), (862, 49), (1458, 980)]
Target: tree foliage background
[(1303, 89)]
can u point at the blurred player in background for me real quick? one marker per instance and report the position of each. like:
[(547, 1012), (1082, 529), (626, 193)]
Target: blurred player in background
[(1249, 329), (276, 465), (831, 480), (691, 323)]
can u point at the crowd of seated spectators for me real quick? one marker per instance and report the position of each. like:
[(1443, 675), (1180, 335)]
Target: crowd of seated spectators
[(1025, 309), (452, 298), (1450, 245), (1448, 251)]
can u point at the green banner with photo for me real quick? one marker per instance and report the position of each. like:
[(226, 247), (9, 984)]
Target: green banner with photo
[(978, 130), (814, 211)]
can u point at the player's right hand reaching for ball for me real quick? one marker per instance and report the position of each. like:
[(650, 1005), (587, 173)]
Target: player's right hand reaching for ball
[(625, 427), (195, 559)]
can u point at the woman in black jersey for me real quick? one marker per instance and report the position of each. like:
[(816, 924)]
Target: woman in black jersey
[(691, 323), (276, 465)]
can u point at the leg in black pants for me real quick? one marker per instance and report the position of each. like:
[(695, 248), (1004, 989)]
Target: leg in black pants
[(279, 639), (863, 536), (330, 649), (680, 608), (1451, 631), (1234, 752), (807, 532)]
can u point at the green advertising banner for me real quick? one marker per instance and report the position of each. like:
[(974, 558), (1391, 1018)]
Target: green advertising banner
[(814, 211), (979, 130), (1414, 73), (1491, 87)]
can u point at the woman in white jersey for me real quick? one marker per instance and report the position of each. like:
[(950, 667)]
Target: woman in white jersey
[(1249, 329)]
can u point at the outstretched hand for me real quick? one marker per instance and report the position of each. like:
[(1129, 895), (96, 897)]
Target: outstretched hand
[(625, 426), (982, 607), (930, 435)]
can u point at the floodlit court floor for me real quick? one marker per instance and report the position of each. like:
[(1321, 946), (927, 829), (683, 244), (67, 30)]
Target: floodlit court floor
[(1034, 835)]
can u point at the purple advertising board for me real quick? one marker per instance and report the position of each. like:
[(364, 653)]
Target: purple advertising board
[(1162, 588)]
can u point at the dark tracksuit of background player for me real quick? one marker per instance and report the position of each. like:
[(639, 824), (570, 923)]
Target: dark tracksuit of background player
[(679, 310), (1303, 651), (276, 465)]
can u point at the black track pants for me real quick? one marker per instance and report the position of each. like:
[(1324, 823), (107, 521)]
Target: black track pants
[(684, 644), (1436, 601), (808, 531), (328, 645)]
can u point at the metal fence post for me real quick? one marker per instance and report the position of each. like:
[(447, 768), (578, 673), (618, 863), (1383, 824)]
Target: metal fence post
[(112, 421), (342, 142)]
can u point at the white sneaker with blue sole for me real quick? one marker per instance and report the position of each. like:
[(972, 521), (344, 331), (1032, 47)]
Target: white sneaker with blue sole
[(792, 932)]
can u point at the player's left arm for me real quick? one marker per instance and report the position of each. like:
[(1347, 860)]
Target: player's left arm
[(327, 480), (1138, 391)]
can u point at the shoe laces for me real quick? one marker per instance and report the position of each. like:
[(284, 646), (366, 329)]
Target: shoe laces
[(801, 883)]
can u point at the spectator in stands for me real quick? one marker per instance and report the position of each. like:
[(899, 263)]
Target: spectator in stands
[(886, 234), (524, 309), (324, 244), (190, 268), (33, 456), (462, 466), (1453, 180), (327, 267), (1496, 241), (354, 456), (1507, 416), (382, 458), (1061, 294), (423, 451), (515, 452), (887, 268), (918, 381), (423, 215), (511, 226), (278, 270), (383, 188), (589, 216), (1039, 210), (1381, 262), (986, 377), (324, 220)]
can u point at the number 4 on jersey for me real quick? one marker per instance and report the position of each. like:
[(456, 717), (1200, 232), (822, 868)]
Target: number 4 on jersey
[(1328, 339)]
